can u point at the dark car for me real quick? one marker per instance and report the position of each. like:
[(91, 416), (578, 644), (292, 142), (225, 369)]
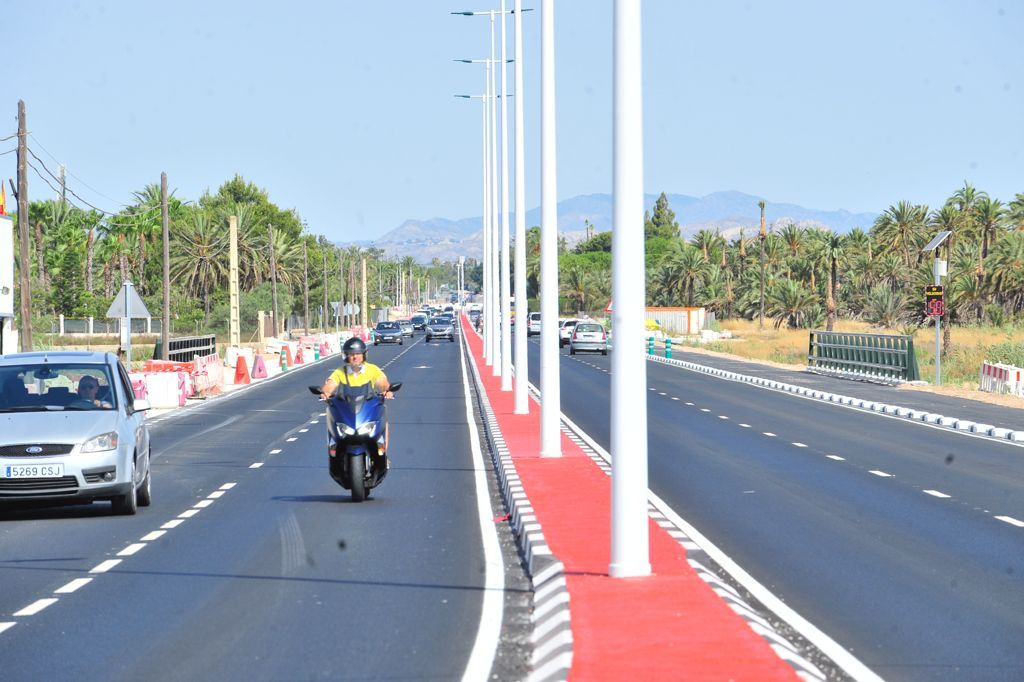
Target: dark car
[(387, 332), (440, 327), (419, 322)]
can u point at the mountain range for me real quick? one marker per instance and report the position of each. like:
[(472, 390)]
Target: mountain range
[(727, 212)]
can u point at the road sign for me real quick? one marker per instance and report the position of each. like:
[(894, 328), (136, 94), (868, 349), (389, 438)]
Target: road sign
[(933, 302)]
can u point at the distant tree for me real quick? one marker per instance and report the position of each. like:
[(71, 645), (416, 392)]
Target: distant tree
[(602, 241), (663, 222)]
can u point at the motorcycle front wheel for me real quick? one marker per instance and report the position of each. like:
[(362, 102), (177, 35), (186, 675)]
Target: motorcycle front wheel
[(357, 473)]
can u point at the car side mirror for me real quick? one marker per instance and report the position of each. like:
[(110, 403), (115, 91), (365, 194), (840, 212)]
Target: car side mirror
[(141, 405)]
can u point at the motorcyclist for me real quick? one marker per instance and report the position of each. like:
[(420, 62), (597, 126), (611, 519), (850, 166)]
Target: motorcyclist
[(358, 372)]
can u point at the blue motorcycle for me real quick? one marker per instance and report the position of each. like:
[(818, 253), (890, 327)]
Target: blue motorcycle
[(356, 423)]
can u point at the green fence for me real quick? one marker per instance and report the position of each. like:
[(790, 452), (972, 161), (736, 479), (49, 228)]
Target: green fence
[(885, 355)]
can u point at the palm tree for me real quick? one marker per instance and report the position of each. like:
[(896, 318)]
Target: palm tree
[(1007, 272), (789, 303), (793, 237), (832, 252), (576, 283), (1015, 212), (989, 214), (199, 262), (689, 265), (901, 227)]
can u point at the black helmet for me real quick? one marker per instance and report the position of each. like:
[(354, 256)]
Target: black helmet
[(354, 345)]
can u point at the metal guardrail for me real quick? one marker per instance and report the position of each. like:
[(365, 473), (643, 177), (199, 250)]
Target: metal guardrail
[(186, 348), (872, 356)]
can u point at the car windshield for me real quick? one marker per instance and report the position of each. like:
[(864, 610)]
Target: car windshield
[(418, 319), (43, 387), (439, 320), (588, 327), (387, 325)]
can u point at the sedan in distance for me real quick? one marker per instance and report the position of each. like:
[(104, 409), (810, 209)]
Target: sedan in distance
[(440, 327), (72, 431), (387, 332), (406, 326), (588, 336)]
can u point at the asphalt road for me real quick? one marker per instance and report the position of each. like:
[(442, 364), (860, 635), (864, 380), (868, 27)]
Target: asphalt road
[(883, 533), (272, 573)]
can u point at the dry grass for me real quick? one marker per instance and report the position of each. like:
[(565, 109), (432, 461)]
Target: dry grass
[(971, 346)]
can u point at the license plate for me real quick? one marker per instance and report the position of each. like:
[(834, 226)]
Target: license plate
[(32, 471)]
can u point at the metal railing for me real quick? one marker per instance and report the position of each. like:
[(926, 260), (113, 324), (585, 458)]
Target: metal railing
[(186, 348), (870, 356)]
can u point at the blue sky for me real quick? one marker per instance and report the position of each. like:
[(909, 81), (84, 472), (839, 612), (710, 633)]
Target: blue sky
[(345, 110)]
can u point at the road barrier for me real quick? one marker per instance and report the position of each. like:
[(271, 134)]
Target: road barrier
[(1000, 378), (882, 357), (186, 348)]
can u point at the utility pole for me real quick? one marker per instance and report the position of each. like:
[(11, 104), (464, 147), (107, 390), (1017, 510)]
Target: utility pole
[(25, 268), (273, 277), (305, 286), (234, 323), (364, 310), (761, 237), (63, 191), (165, 323), (323, 316), (341, 284)]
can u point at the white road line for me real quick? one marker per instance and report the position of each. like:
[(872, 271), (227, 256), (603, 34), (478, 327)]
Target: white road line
[(275, 452), (292, 439), (745, 426), (105, 566), (690, 404), (155, 535), (1006, 519), (73, 586), (661, 393), (674, 398), (35, 607), (722, 416), (228, 486), (4, 627), (215, 494), (769, 434), (800, 445), (131, 549), (704, 409), (188, 514), (173, 524), (936, 493), (652, 389), (315, 421), (323, 414), (303, 430), (203, 504), (876, 472), (256, 465), (836, 458)]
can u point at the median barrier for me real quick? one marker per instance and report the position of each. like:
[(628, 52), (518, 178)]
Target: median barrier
[(879, 357), (1000, 378), (259, 367), (138, 380)]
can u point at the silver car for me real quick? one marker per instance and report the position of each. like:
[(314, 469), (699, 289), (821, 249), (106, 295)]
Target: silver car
[(440, 327), (71, 430), (588, 336)]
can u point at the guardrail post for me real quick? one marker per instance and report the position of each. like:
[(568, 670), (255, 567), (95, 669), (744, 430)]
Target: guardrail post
[(650, 345), (668, 348)]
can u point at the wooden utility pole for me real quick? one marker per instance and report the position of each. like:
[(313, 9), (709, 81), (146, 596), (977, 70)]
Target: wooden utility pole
[(234, 322), (25, 266), (63, 189), (341, 289), (761, 237), (323, 316), (305, 286), (165, 325), (364, 310), (273, 278)]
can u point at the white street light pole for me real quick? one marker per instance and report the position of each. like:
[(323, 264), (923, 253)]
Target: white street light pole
[(506, 267), (630, 550), (550, 388), (522, 400), (494, 301), (487, 214)]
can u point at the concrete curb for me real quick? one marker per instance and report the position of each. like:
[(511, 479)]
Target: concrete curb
[(552, 625), (952, 423)]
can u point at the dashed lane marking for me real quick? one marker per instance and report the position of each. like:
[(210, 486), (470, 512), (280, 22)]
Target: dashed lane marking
[(836, 458), (800, 445), (275, 452), (704, 409), (188, 514), (745, 426), (131, 549), (256, 465), (155, 535), (303, 430), (292, 439), (936, 493), (674, 398), (203, 504), (71, 586), (1005, 519), (228, 486), (173, 524), (882, 474), (769, 434), (35, 607), (4, 627), (105, 566), (690, 404), (662, 393), (216, 493), (722, 416)]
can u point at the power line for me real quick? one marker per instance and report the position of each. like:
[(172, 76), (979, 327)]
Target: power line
[(68, 171), (9, 137), (9, 151)]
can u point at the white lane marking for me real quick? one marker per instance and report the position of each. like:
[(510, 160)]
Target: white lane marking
[(131, 549), (674, 398), (323, 414), (275, 452), (228, 486), (215, 494), (481, 658), (836, 458), (188, 514), (722, 416), (105, 566), (800, 445), (769, 434), (690, 404), (4, 627), (315, 421), (155, 535), (876, 472), (1006, 519), (662, 393), (173, 524), (652, 389), (73, 585), (303, 430), (850, 664), (745, 426), (256, 465), (936, 493), (704, 409), (203, 504), (35, 607), (292, 440)]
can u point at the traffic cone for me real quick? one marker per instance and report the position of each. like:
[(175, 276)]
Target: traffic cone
[(299, 360), (241, 371), (288, 354), (259, 367)]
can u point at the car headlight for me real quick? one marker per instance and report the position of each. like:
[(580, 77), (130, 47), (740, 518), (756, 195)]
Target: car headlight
[(367, 428), (106, 441), (346, 430)]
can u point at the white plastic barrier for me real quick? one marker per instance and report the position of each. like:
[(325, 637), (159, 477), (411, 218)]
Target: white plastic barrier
[(166, 389), (1000, 378)]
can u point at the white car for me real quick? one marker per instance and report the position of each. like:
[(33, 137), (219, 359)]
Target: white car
[(565, 330), (533, 324)]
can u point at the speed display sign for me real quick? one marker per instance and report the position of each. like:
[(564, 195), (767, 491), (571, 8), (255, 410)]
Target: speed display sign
[(933, 303)]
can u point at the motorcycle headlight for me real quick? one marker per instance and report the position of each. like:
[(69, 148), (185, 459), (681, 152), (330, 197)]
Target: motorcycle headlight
[(346, 430), (106, 441), (367, 428)]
